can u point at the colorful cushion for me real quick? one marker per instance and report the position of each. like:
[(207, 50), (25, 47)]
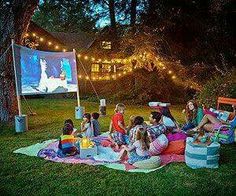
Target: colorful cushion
[(175, 147), (176, 136), (198, 156), (158, 145), (151, 163)]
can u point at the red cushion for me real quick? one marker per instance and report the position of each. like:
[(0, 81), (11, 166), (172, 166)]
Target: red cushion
[(175, 147)]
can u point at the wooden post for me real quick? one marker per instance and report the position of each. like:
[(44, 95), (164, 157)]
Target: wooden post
[(78, 97), (16, 81)]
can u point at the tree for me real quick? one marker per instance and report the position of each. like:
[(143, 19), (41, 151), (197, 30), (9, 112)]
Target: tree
[(65, 16), (14, 19), (133, 12), (111, 4)]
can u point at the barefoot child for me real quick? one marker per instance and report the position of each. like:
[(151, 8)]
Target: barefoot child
[(138, 151), (117, 126)]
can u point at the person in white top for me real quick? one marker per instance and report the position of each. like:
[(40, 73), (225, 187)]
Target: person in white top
[(139, 150)]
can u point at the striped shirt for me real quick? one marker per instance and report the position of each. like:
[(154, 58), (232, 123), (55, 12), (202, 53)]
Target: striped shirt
[(67, 142), (155, 130)]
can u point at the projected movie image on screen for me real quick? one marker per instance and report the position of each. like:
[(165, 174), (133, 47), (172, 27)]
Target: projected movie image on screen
[(44, 72)]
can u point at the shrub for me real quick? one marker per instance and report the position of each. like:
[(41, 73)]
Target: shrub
[(218, 86)]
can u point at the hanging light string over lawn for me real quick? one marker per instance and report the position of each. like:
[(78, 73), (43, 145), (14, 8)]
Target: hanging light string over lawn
[(99, 60)]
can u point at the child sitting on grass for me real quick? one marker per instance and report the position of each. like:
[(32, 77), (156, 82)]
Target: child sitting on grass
[(117, 126), (139, 150), (67, 141), (95, 124), (86, 126)]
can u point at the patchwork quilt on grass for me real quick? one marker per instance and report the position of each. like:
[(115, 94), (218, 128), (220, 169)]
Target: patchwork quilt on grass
[(106, 156)]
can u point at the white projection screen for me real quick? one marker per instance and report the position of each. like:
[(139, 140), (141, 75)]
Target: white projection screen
[(40, 72)]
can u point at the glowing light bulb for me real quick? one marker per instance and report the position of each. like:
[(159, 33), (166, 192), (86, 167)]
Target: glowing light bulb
[(119, 74), (87, 78), (49, 43), (170, 72), (124, 72), (173, 77), (80, 76), (56, 47), (86, 58), (34, 34), (93, 59), (64, 50), (79, 55), (41, 39), (27, 34)]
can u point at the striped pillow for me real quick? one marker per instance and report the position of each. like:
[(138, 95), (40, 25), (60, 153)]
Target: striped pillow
[(197, 156), (158, 145)]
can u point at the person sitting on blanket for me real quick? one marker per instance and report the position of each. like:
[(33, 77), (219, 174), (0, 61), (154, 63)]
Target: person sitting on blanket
[(67, 141), (86, 126), (138, 122), (210, 122), (95, 124), (156, 128), (118, 133), (138, 151), (168, 120), (69, 121)]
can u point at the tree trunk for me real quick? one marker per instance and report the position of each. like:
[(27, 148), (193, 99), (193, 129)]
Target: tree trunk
[(15, 18), (112, 15), (151, 12), (133, 12)]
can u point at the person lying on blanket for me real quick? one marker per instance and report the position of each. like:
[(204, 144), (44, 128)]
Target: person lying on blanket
[(210, 122), (138, 151), (67, 141)]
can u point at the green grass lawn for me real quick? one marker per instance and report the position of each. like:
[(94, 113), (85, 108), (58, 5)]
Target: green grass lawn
[(23, 175)]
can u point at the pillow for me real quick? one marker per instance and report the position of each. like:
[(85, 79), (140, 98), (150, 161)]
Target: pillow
[(176, 136), (151, 163), (158, 145), (206, 111), (175, 147)]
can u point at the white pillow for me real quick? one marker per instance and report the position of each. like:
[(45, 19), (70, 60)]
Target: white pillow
[(151, 163)]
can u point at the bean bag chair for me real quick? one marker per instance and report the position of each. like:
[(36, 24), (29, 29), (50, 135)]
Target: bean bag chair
[(176, 136), (158, 145), (151, 163), (199, 156), (175, 147)]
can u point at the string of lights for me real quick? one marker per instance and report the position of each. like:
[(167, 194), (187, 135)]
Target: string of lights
[(104, 76)]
